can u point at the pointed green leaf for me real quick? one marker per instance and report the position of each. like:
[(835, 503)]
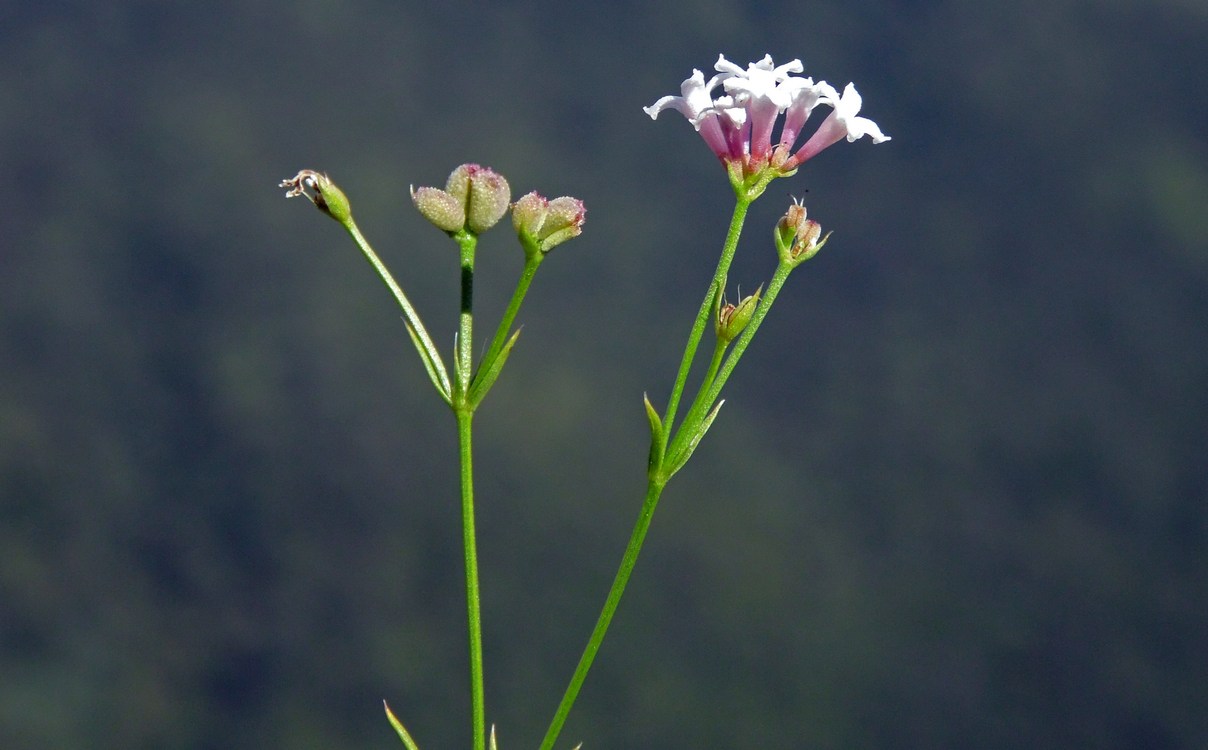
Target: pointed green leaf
[(486, 378), (658, 440), (656, 422), (403, 734), (678, 461), (435, 367)]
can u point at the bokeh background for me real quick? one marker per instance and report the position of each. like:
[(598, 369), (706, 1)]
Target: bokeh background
[(957, 497)]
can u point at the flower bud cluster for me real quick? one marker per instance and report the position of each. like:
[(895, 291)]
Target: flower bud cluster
[(474, 199), (797, 237), (542, 224)]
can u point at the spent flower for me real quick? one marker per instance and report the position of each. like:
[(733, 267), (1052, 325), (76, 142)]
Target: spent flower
[(798, 238), (318, 188), (731, 318)]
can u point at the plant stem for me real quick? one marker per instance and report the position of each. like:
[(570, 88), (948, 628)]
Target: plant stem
[(463, 365), (473, 606), (653, 491), (700, 405), (509, 316), (464, 411), (428, 350), (656, 480), (706, 307)]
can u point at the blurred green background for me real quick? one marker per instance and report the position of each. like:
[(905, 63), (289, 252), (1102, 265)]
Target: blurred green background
[(956, 498)]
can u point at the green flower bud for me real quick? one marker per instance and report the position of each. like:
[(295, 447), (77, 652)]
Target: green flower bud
[(440, 208), (528, 213), (543, 224), (321, 191), (458, 184), (732, 319), (490, 196)]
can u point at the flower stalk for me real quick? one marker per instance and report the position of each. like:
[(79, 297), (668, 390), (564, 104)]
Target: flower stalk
[(465, 418), (323, 193)]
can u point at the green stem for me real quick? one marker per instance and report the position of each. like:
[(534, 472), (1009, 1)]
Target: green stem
[(473, 605), (700, 405), (657, 479), (463, 363), (462, 368), (740, 346), (428, 350), (706, 307), (653, 491), (509, 316)]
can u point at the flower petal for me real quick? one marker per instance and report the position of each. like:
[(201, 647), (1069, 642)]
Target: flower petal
[(841, 123)]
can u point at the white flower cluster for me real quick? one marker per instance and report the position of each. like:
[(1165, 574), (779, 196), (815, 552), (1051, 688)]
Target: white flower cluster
[(738, 122)]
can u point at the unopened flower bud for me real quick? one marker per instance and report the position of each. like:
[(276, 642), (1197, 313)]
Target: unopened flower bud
[(797, 238), (731, 319), (488, 201), (321, 191), (475, 198), (440, 208), (808, 243), (543, 224)]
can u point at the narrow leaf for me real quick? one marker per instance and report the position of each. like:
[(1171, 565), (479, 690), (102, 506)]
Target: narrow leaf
[(403, 734), (435, 367), (656, 422), (486, 378), (678, 461), (658, 440)]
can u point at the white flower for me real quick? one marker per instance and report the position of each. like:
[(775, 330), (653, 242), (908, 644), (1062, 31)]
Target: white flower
[(766, 89), (738, 124), (695, 99), (841, 123), (805, 99)]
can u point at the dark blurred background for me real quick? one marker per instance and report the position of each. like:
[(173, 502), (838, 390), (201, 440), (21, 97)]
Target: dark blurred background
[(956, 498)]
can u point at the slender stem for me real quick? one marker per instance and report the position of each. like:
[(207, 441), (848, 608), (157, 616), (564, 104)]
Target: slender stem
[(473, 605), (718, 350), (700, 405), (463, 358), (409, 313), (653, 491), (706, 307), (462, 367), (509, 316), (656, 481)]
